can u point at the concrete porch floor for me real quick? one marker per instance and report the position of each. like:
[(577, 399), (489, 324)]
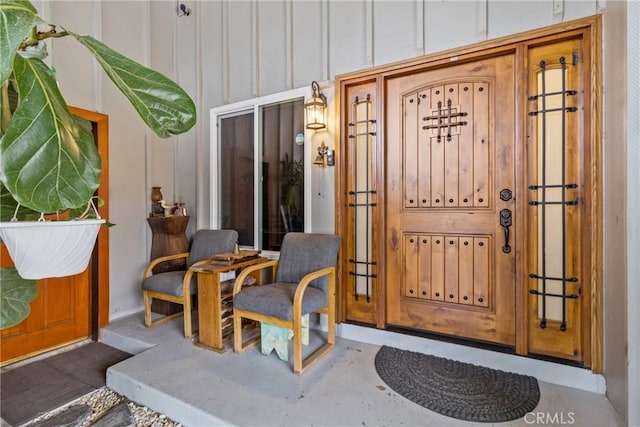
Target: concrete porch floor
[(199, 387)]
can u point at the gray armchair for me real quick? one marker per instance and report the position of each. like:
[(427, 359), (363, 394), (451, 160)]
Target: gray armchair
[(303, 281), (179, 286)]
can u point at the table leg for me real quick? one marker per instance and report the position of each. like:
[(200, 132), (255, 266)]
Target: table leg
[(209, 322)]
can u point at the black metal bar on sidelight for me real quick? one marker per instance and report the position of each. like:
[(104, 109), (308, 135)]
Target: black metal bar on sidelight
[(543, 321), (568, 279), (566, 92), (367, 201), (439, 120), (449, 119), (552, 110), (572, 296), (563, 325), (536, 187), (564, 203)]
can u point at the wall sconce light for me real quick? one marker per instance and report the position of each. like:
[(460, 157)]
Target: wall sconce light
[(325, 155), (316, 109)]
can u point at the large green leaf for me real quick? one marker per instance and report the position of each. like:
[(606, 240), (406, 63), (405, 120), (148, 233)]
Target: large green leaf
[(163, 105), (47, 161), (17, 18), (16, 294)]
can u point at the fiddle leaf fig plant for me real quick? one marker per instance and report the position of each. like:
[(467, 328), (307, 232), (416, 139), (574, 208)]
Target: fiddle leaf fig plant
[(49, 162)]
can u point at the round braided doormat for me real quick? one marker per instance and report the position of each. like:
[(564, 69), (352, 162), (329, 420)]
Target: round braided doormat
[(455, 389)]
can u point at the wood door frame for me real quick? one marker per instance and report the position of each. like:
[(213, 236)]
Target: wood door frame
[(101, 251), (589, 29)]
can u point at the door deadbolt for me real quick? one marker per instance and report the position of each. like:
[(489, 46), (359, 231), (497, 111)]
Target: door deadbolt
[(506, 195)]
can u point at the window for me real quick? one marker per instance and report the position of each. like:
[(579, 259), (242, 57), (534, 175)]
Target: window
[(258, 169)]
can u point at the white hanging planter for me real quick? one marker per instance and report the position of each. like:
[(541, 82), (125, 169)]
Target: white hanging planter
[(41, 249)]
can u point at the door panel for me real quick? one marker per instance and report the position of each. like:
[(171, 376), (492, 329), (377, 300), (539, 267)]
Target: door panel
[(450, 151), (59, 314)]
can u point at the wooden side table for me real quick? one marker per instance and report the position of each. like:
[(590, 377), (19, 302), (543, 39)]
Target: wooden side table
[(215, 305)]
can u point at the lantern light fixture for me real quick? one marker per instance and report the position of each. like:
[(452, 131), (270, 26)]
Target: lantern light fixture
[(316, 109)]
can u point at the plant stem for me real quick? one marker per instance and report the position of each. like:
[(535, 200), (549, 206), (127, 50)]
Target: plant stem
[(5, 117), (36, 36)]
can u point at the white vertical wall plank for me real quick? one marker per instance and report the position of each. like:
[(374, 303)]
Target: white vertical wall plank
[(308, 42), (347, 32), (615, 169), (368, 26), (396, 31), (68, 56), (129, 197), (255, 48), (481, 19), (161, 56), (272, 27), (420, 27), (449, 24), (325, 40), (225, 57), (557, 11), (288, 43), (185, 145), (508, 17), (574, 9), (633, 207), (241, 50)]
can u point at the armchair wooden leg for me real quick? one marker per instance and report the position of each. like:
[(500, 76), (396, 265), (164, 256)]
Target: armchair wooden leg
[(188, 332), (331, 327), (147, 308), (237, 332), (297, 346)]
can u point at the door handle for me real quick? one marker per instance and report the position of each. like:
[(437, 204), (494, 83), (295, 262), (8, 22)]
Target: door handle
[(505, 223)]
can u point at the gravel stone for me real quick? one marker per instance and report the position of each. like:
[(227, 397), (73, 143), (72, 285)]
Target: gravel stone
[(101, 401)]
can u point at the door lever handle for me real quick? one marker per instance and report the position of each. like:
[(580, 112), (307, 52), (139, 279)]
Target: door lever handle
[(505, 223)]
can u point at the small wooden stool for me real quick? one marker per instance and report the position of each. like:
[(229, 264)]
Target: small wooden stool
[(274, 337)]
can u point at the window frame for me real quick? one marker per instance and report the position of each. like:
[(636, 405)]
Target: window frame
[(255, 106)]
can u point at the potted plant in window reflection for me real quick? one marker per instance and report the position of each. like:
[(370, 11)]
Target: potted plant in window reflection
[(292, 181), (49, 163)]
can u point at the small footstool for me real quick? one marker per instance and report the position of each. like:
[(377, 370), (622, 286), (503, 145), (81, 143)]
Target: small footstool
[(274, 337)]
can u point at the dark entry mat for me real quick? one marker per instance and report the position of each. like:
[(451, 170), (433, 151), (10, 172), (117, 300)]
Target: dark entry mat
[(455, 389), (41, 386)]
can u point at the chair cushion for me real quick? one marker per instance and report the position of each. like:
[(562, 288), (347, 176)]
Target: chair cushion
[(276, 300), (169, 283)]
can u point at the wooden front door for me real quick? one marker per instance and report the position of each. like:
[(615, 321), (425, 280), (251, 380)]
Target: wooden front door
[(450, 211), (67, 309)]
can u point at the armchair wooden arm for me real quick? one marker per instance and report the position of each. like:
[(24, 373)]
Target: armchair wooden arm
[(304, 283), (152, 264)]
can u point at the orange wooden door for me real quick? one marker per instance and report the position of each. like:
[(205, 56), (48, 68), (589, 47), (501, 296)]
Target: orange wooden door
[(450, 211)]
